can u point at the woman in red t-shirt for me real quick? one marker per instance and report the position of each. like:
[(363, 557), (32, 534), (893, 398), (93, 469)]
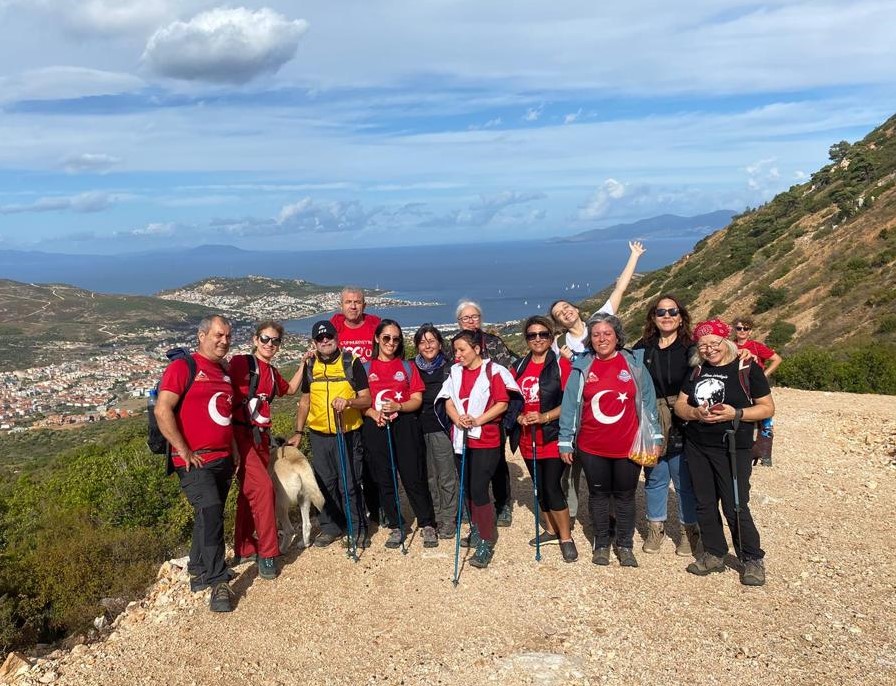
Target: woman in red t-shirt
[(542, 377), (255, 528), (397, 391), (476, 396)]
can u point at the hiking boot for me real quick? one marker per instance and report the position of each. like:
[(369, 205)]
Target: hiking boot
[(243, 559), (197, 584), (472, 540), (447, 531), (689, 545), (505, 516), (601, 556), (544, 538), (568, 550), (324, 539), (656, 532), (267, 568), (396, 538), (706, 564), (626, 557), (222, 598), (766, 461), (483, 555), (430, 538), (754, 573)]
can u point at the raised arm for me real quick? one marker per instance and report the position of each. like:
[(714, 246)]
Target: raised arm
[(637, 249)]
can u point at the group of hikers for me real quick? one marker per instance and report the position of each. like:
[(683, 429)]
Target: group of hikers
[(683, 401)]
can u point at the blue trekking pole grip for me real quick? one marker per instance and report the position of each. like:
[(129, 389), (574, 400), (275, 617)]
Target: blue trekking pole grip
[(460, 506), (404, 548), (342, 451), (535, 492)]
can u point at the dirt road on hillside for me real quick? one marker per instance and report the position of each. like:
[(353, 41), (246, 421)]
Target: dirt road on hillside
[(826, 512)]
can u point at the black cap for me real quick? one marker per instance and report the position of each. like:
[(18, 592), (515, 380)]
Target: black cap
[(323, 328)]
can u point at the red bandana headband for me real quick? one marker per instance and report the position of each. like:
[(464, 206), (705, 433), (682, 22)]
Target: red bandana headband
[(715, 327)]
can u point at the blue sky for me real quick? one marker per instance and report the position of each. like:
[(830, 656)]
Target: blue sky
[(137, 124)]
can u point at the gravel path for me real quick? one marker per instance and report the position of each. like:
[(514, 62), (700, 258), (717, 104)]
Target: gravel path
[(827, 615)]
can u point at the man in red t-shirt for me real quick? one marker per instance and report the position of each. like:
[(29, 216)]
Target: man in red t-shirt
[(201, 437), (763, 354), (354, 328)]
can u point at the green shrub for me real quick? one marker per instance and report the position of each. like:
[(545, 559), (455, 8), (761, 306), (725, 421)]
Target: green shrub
[(870, 368), (811, 369), (780, 334), (887, 324), (717, 308), (768, 298)]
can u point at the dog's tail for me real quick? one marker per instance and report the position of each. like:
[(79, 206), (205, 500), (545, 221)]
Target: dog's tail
[(309, 485)]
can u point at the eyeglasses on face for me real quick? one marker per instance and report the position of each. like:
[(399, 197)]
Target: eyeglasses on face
[(663, 311), (706, 347), (543, 335), (386, 338), (272, 340), (470, 318), (740, 327)]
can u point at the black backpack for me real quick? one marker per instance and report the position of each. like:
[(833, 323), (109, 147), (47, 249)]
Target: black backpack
[(158, 444)]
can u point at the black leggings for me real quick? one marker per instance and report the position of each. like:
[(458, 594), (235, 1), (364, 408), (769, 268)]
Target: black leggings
[(480, 466), (616, 477), (550, 494), (410, 465)]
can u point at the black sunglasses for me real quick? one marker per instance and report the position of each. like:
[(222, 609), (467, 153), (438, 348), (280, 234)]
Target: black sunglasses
[(742, 328), (663, 311), (269, 339), (543, 335), (324, 337)]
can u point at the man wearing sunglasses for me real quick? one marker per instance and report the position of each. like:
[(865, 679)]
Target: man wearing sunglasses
[(334, 383), (767, 358), (354, 327)]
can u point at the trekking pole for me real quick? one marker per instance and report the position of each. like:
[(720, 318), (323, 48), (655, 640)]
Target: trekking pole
[(535, 494), (460, 505), (343, 472), (404, 548), (732, 461)]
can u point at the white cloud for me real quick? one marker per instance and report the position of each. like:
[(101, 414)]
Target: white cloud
[(225, 45), (533, 113), (155, 230), (84, 202), (571, 117), (484, 210), (763, 175), (106, 18), (598, 204), (333, 217), (61, 83), (89, 162)]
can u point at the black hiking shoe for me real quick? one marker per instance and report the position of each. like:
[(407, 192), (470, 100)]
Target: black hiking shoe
[(505, 516), (544, 538), (472, 540), (754, 573), (568, 550), (601, 556), (626, 557), (483, 555), (706, 564), (324, 539), (222, 598)]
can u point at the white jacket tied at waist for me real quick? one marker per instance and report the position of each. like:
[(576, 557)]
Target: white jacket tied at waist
[(479, 395)]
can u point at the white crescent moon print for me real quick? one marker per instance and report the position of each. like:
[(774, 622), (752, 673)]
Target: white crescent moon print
[(253, 412), (216, 416), (378, 401), (598, 413)]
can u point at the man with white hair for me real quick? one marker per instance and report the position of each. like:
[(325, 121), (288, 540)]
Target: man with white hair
[(354, 327)]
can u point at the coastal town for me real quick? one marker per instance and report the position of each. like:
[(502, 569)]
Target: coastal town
[(113, 380)]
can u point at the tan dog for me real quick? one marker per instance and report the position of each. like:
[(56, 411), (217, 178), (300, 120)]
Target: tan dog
[(294, 483)]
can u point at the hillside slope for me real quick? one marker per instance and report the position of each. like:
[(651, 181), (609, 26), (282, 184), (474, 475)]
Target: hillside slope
[(817, 263)]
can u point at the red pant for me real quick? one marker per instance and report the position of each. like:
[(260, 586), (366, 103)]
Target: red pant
[(255, 529)]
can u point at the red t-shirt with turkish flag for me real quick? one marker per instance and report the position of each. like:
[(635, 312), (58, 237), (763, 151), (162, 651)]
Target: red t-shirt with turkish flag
[(762, 352), (609, 415), (390, 381), (204, 419), (257, 412), (491, 432), (529, 384), (358, 341)]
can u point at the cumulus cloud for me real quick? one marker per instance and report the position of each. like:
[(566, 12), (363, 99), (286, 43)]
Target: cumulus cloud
[(89, 162), (62, 83), (598, 204), (225, 45), (155, 230), (484, 210), (763, 176), (84, 202), (332, 217)]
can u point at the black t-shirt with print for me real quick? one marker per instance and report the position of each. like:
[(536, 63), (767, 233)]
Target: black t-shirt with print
[(715, 385)]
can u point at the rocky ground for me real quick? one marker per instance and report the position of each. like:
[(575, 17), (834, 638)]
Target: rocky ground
[(826, 512)]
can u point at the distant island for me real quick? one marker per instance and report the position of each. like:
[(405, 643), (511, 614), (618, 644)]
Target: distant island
[(662, 226)]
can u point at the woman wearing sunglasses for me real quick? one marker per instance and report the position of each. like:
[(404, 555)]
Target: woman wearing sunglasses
[(767, 358), (721, 400), (541, 376), (397, 392), (256, 382), (668, 347)]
